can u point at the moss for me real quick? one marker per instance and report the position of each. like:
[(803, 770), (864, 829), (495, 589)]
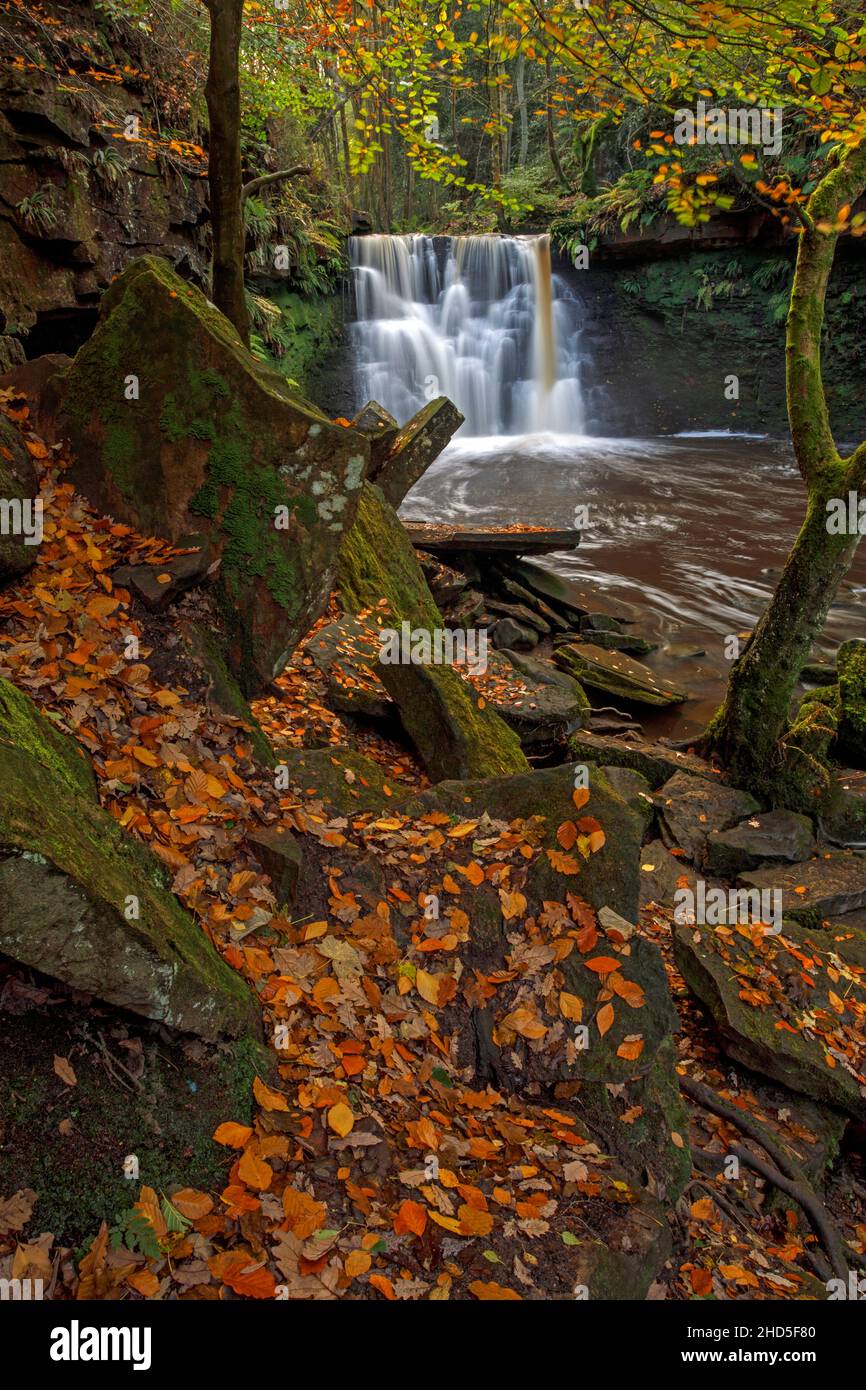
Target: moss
[(851, 739), (167, 1122), (22, 727)]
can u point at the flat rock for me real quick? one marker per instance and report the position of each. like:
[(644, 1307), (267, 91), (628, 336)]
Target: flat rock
[(691, 807), (818, 888), (766, 837), (160, 585), (615, 674), (542, 705), (656, 761), (347, 653), (789, 1006)]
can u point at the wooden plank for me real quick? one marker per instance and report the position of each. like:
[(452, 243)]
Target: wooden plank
[(495, 540)]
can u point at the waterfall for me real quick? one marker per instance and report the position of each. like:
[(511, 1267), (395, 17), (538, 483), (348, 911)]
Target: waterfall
[(481, 319)]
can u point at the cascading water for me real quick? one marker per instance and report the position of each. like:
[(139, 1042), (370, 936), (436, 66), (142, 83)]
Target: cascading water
[(478, 318)]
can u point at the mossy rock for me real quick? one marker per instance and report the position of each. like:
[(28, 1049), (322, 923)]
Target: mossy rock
[(216, 442), (17, 486), (456, 733), (69, 875), (167, 1120), (345, 781), (770, 1033), (224, 692), (577, 1075)]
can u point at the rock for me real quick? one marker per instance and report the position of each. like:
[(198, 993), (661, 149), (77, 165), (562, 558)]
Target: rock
[(347, 652), (380, 428), (633, 787), (521, 614), (851, 731), (223, 693), (541, 704), (415, 447), (215, 442), (656, 761), (661, 874), (280, 856), (162, 584), (599, 622), (629, 1058), (691, 807), (615, 674), (345, 781), (683, 651), (446, 584), (576, 599), (819, 673), (455, 735), (39, 382), (632, 644), (11, 355), (508, 633), (555, 621), (468, 609), (771, 999), (68, 877), (818, 888), (767, 837), (19, 519)]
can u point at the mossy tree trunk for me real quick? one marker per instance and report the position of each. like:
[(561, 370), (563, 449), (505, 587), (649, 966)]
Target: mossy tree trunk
[(223, 94), (747, 730)]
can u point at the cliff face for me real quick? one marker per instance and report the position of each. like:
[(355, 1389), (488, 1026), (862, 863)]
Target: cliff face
[(78, 198)]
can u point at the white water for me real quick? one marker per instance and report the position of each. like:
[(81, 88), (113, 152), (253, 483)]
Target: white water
[(478, 318)]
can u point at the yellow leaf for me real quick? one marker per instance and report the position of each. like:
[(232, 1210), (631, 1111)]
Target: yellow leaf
[(340, 1119)]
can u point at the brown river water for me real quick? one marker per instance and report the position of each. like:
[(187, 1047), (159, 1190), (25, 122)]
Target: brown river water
[(689, 530)]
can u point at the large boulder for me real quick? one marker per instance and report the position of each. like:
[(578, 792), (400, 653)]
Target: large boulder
[(85, 903), (789, 1006), (414, 447), (455, 730), (691, 808), (176, 429), (18, 490)]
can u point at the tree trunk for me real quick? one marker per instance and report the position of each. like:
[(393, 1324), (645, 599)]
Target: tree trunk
[(551, 129), (223, 95), (520, 85), (747, 730)]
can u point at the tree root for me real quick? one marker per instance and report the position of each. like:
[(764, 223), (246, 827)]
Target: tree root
[(788, 1176)]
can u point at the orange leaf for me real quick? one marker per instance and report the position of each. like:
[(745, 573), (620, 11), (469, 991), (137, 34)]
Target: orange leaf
[(411, 1217), (605, 1018), (490, 1291), (234, 1136)]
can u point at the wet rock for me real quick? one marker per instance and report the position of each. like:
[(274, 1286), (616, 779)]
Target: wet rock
[(520, 613), (574, 598), (691, 807), (177, 428), (819, 673), (770, 1000), (819, 888), (446, 584), (630, 643), (767, 837), (555, 621), (85, 903), (683, 651), (39, 382), (415, 447), (508, 633), (615, 674), (455, 732)]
